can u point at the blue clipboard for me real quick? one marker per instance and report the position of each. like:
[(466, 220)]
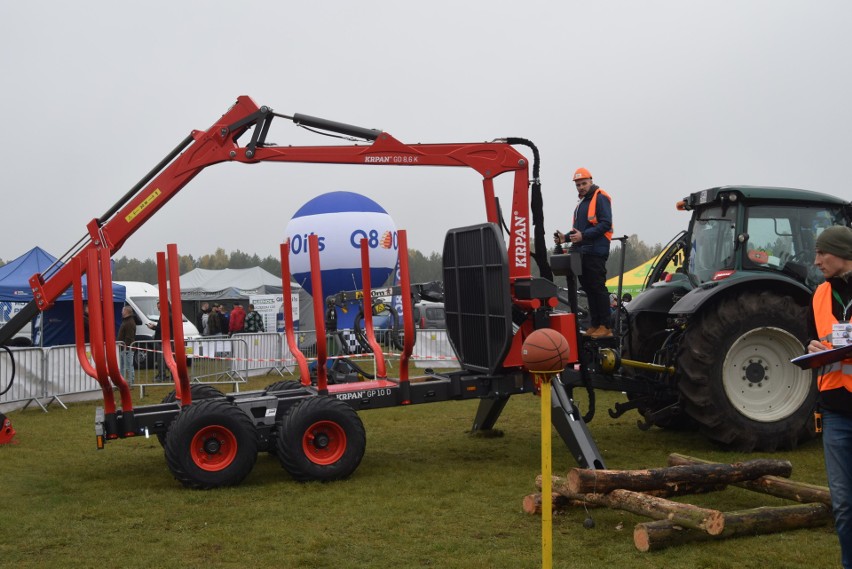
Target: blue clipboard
[(819, 359)]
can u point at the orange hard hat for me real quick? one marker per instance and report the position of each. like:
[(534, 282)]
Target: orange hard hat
[(582, 174)]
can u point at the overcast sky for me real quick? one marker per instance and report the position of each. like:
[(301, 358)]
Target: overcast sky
[(656, 98)]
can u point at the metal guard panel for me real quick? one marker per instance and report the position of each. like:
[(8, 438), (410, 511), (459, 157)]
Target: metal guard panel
[(477, 303)]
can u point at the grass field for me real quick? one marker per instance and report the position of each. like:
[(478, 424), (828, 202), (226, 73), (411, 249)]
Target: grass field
[(427, 494)]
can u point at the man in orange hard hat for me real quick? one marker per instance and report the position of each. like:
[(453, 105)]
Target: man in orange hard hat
[(591, 233)]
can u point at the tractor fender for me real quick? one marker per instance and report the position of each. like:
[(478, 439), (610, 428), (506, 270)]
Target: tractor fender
[(659, 297), (693, 301)]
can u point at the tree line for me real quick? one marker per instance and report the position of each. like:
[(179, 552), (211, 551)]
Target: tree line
[(422, 268)]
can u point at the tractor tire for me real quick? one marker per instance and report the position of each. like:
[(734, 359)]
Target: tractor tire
[(211, 444), (736, 377), (320, 438), (199, 391)]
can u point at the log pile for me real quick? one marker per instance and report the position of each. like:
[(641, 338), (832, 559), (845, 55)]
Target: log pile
[(646, 493)]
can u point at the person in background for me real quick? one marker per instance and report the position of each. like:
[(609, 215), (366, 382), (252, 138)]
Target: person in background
[(254, 321), (831, 310), (159, 363), (202, 318), (126, 336), (86, 322), (214, 321), (225, 318), (237, 320), (591, 234)]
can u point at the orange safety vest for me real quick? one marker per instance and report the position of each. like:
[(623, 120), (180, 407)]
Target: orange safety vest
[(592, 213), (838, 374)]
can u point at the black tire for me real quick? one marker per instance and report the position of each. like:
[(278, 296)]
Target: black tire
[(211, 444), (283, 385), (286, 385), (199, 391), (321, 438), (736, 378)]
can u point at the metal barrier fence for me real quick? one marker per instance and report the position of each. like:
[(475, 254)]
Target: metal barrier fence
[(47, 375), (209, 360)]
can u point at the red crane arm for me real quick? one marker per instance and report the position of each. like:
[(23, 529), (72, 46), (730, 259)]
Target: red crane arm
[(219, 143)]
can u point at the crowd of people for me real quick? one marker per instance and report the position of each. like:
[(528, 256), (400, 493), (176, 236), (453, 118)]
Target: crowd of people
[(216, 320)]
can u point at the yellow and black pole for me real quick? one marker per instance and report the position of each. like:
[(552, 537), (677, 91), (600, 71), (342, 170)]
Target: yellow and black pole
[(545, 354), (543, 379)]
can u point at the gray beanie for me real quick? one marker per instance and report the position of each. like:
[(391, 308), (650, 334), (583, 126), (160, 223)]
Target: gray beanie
[(836, 240)]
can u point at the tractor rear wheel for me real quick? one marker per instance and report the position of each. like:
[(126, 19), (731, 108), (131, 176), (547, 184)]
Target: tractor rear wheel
[(736, 376), (211, 443), (320, 438)]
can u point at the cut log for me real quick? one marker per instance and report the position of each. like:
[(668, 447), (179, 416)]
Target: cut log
[(652, 536), (583, 480), (686, 515), (772, 485), (532, 503), (560, 485)]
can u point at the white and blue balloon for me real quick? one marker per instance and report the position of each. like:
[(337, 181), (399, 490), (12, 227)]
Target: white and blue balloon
[(340, 220)]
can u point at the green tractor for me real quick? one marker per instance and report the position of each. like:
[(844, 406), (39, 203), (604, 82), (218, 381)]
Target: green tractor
[(731, 315)]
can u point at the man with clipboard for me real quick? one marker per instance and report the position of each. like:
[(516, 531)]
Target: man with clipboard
[(831, 353)]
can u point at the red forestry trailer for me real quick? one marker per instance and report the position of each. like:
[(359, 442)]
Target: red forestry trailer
[(491, 299)]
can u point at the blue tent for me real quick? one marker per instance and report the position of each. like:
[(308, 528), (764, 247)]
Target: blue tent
[(58, 321)]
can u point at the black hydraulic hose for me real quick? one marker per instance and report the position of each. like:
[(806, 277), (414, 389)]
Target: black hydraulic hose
[(148, 177), (537, 209), (12, 378)]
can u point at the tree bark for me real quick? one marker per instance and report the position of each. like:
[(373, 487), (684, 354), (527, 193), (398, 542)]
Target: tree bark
[(582, 480), (652, 536), (560, 485), (772, 485)]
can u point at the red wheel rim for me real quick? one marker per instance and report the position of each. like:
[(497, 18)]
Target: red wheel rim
[(324, 442), (213, 448)]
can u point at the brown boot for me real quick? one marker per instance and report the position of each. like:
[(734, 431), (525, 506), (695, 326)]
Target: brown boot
[(601, 332)]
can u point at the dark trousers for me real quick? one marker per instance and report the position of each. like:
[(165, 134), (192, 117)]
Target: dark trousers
[(593, 282), (837, 443)]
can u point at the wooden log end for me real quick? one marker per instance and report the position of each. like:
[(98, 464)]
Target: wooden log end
[(531, 504), (641, 539), (715, 523)]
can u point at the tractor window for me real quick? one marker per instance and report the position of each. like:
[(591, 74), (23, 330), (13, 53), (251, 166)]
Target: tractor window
[(783, 238), (712, 245)]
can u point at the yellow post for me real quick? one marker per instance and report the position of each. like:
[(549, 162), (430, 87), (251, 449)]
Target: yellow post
[(546, 478)]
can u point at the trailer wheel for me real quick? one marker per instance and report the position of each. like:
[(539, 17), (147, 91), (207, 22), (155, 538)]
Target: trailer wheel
[(212, 443), (321, 438), (199, 391), (283, 385), (736, 376)]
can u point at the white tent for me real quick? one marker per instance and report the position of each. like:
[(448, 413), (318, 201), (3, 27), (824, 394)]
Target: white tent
[(229, 284), (199, 285)]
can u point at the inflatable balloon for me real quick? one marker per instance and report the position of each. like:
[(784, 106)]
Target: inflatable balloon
[(340, 220)]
